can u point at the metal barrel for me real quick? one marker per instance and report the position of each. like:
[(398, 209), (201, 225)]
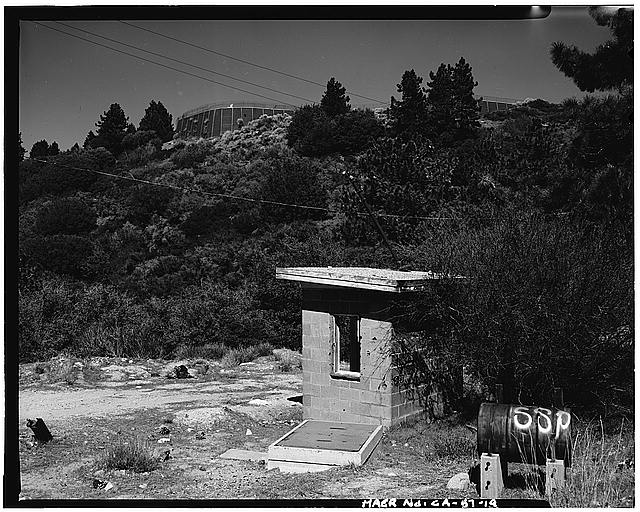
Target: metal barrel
[(527, 434)]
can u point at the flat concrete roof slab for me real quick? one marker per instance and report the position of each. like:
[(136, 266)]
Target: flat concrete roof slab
[(363, 277)]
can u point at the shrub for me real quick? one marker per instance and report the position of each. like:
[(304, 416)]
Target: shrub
[(313, 133), (141, 138), (240, 355), (288, 359), (534, 299), (134, 455), (190, 155), (292, 180), (67, 215), (406, 178)]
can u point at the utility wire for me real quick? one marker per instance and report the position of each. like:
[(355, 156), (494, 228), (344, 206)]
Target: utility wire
[(245, 61), (183, 62), (164, 65), (234, 197)]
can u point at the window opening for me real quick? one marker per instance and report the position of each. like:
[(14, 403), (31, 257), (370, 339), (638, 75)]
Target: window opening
[(346, 356)]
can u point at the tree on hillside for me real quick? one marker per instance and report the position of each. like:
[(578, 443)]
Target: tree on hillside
[(408, 116), (21, 150), (112, 127), (39, 150), (75, 148), (89, 139), (465, 107), (157, 118), (440, 99), (335, 100), (53, 149), (611, 65)]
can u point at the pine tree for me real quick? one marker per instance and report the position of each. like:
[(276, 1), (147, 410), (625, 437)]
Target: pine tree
[(440, 100), (53, 149), (112, 128), (75, 148), (39, 150), (335, 100), (408, 116), (611, 65), (465, 107), (157, 118), (21, 150), (89, 139)]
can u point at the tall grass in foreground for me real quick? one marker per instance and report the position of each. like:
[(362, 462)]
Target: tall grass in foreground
[(602, 473)]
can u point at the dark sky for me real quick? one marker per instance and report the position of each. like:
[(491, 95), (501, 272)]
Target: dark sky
[(66, 83)]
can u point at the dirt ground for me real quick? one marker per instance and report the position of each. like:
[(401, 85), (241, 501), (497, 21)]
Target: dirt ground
[(90, 405)]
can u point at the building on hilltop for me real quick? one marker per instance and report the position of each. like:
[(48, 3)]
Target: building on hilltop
[(213, 120)]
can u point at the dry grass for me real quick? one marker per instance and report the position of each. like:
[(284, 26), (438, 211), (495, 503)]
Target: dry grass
[(288, 359), (134, 455), (602, 473), (236, 356)]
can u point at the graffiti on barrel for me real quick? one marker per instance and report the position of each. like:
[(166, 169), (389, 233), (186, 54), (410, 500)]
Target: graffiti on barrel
[(563, 419), (528, 434)]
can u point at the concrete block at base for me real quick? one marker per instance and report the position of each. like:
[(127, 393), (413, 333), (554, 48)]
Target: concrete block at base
[(491, 483), (555, 476), (459, 481), (235, 454), (286, 466)]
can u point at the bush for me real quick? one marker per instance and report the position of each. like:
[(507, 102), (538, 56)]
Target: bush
[(292, 180), (395, 177), (134, 455), (190, 155), (141, 138), (313, 133), (67, 215), (534, 301), (237, 356), (288, 360)]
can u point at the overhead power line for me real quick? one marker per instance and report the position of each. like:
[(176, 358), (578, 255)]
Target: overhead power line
[(184, 62), (237, 198), (283, 73), (163, 65)]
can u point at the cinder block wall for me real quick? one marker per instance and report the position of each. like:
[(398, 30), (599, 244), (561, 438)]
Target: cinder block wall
[(407, 401), (326, 397)]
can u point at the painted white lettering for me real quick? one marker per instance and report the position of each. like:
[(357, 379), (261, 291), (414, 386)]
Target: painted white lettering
[(544, 413), (517, 422)]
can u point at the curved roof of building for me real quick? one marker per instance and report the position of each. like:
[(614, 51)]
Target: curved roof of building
[(235, 104)]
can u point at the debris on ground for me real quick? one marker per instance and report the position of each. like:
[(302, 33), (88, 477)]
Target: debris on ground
[(164, 440), (179, 372), (165, 456), (40, 431), (249, 432), (164, 430), (200, 435), (459, 481), (102, 484)]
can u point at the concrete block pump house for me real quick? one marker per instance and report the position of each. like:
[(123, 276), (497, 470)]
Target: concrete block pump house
[(348, 358)]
